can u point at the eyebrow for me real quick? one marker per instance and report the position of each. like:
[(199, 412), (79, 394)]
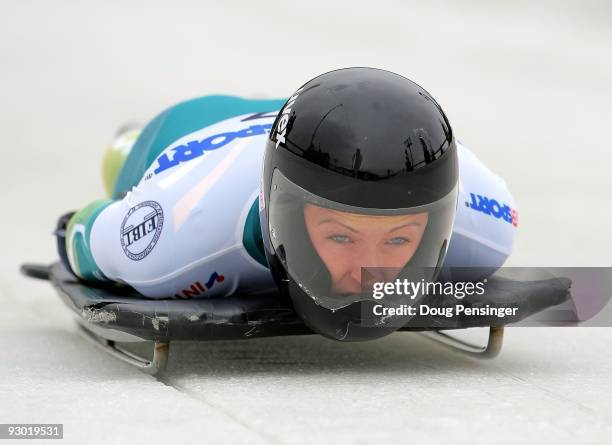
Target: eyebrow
[(413, 223), (331, 220)]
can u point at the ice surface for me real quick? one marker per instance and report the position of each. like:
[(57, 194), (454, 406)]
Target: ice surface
[(526, 87)]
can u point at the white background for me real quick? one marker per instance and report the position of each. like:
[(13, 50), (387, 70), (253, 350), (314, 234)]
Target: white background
[(528, 87)]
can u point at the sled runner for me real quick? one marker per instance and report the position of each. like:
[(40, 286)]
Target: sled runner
[(113, 315)]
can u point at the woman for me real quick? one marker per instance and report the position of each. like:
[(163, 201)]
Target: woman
[(183, 218)]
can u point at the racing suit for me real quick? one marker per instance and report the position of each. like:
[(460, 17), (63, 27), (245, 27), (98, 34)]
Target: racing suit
[(183, 218)]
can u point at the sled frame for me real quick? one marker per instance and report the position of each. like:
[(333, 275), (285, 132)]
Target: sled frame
[(490, 350), (161, 349), (154, 366)]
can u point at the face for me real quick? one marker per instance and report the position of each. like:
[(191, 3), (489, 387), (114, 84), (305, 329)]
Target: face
[(346, 242)]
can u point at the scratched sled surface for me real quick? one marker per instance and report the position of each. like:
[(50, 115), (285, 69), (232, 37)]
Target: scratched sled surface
[(126, 311)]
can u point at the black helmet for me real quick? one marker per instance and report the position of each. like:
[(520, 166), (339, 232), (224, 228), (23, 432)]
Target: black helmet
[(360, 171)]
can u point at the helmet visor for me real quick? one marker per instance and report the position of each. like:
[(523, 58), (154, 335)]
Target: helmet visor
[(336, 252)]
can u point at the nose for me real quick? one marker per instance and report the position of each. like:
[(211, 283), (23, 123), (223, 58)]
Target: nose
[(368, 257)]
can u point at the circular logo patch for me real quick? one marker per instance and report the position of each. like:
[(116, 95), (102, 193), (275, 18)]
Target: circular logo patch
[(141, 229)]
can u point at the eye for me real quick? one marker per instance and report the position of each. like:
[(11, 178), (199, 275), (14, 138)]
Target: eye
[(340, 239), (398, 241)]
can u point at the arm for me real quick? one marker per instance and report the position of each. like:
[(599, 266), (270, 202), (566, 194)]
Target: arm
[(486, 220)]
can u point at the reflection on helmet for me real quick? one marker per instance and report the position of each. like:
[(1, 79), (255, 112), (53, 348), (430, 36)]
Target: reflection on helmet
[(360, 172)]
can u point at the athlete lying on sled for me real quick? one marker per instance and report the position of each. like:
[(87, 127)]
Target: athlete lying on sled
[(360, 168)]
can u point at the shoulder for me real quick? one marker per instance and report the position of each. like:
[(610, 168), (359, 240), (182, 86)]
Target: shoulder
[(246, 127), (190, 115), (193, 114)]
